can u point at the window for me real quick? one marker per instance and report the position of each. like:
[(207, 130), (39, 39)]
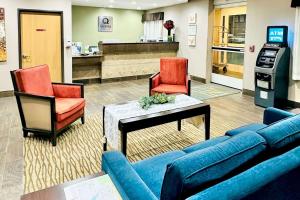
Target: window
[(153, 30), (237, 29)]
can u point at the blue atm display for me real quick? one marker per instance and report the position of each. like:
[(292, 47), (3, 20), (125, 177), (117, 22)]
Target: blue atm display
[(277, 34)]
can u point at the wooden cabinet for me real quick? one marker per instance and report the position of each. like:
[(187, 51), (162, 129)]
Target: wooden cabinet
[(87, 69)]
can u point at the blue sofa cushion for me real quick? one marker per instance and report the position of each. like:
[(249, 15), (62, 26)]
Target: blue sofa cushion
[(276, 178), (272, 115), (205, 144), (282, 133), (250, 127), (152, 170), (200, 169)]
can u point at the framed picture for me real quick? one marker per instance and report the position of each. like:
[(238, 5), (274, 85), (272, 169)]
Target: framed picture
[(192, 29), (105, 24), (192, 40), (3, 53), (192, 18)]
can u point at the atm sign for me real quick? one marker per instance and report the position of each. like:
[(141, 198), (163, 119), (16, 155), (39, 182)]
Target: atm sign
[(276, 35)]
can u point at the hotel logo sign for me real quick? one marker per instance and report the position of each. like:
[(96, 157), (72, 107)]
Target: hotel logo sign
[(105, 24)]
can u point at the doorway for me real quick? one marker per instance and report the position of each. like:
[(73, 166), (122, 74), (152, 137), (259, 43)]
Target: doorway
[(228, 46), (41, 41)]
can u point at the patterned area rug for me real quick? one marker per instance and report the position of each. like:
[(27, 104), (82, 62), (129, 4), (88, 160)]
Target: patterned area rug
[(209, 91), (79, 149)]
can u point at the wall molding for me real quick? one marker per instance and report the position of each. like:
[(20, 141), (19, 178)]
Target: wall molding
[(248, 92), (126, 78), (199, 79), (6, 93), (293, 104)]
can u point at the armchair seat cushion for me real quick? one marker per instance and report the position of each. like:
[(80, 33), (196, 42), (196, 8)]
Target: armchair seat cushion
[(66, 107), (250, 127), (170, 89), (152, 170)]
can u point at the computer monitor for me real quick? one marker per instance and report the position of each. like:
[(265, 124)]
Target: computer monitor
[(277, 35)]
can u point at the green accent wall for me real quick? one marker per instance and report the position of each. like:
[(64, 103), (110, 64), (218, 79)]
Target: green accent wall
[(127, 25)]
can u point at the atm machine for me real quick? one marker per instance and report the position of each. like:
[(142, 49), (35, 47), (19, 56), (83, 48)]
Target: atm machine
[(272, 69)]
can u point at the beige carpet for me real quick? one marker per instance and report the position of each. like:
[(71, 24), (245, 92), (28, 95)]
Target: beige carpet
[(79, 149)]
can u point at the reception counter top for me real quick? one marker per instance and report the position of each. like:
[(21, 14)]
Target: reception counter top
[(119, 48)]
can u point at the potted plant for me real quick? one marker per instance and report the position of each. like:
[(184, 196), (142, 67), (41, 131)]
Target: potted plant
[(169, 25)]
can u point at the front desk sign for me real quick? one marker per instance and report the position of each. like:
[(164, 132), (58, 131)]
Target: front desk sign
[(105, 24)]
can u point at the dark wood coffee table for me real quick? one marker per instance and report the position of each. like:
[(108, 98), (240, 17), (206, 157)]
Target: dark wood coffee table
[(146, 121), (55, 192)]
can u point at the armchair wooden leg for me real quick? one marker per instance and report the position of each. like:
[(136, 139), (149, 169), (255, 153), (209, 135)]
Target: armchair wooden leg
[(25, 133), (83, 119), (53, 139)]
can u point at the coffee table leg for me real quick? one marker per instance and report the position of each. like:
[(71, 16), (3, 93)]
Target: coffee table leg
[(207, 125), (104, 138), (124, 142), (179, 125)]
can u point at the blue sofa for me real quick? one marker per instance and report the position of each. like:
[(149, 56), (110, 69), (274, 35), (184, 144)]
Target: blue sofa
[(257, 161)]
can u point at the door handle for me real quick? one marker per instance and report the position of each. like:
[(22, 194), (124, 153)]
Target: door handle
[(25, 57)]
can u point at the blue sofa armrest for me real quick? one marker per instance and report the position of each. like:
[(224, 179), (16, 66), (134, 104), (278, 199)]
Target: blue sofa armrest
[(276, 178), (125, 178), (272, 115)]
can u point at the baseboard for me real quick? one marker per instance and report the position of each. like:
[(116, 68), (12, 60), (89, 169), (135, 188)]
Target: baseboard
[(199, 79), (88, 81), (248, 92), (289, 103), (293, 104), (6, 94), (126, 78)]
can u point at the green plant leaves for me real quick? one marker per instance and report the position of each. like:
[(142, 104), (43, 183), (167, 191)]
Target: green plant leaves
[(146, 101)]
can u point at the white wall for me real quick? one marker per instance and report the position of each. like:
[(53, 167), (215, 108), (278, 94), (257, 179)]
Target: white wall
[(11, 25), (261, 14), (179, 14)]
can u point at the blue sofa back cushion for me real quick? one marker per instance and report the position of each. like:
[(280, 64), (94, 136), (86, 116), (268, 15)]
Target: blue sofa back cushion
[(282, 133), (197, 170)]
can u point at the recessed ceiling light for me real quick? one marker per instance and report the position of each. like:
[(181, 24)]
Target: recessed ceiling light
[(133, 2), (111, 6), (154, 4), (111, 1), (139, 8)]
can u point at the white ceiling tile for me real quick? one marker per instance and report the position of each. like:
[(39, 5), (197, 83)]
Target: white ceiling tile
[(129, 4)]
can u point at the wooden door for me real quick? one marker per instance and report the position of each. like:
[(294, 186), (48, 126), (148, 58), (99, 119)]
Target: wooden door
[(41, 42)]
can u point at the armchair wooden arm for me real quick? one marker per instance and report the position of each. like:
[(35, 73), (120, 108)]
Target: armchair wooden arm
[(188, 84), (153, 82), (37, 112)]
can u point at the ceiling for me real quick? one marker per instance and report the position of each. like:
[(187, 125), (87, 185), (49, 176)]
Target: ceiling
[(129, 4)]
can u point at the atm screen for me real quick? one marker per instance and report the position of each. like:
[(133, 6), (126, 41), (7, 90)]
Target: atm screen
[(277, 34)]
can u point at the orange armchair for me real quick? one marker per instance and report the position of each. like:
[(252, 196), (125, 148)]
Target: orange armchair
[(173, 77), (46, 108)]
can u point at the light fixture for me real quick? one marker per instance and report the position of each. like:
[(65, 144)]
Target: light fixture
[(133, 2), (139, 8), (111, 1), (111, 6)]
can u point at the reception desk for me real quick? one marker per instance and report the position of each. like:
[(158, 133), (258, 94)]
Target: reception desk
[(122, 61)]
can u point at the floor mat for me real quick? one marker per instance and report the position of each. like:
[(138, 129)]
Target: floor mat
[(209, 91)]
